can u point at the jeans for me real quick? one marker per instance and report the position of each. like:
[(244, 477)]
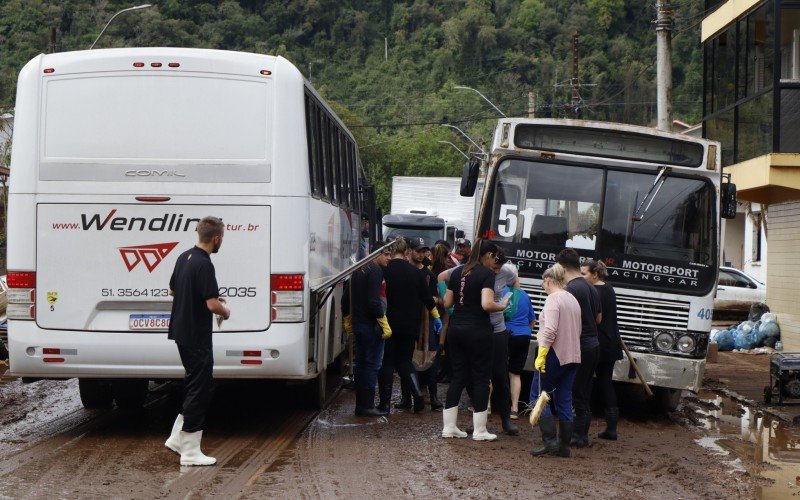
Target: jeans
[(198, 362), (470, 351), (582, 388), (369, 354), (397, 355), (557, 381), (605, 383), (501, 393)]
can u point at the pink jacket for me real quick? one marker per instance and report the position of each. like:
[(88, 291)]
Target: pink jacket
[(560, 327)]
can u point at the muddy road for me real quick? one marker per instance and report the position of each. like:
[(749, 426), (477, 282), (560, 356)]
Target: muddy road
[(268, 446)]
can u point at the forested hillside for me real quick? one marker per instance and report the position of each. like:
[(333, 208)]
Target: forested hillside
[(389, 67)]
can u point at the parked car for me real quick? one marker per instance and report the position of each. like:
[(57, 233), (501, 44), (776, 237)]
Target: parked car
[(737, 290)]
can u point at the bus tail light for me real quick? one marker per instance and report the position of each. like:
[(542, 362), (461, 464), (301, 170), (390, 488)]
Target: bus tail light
[(21, 295), (288, 291)]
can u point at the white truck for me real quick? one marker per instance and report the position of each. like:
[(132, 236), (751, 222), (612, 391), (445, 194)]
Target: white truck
[(430, 207)]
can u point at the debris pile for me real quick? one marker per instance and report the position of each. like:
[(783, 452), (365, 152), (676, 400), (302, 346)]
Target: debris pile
[(760, 330)]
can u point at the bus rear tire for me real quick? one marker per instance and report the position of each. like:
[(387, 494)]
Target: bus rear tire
[(316, 391), (95, 393), (130, 394)]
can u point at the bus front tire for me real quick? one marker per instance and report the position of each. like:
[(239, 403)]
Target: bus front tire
[(130, 394), (95, 393), (665, 399), (316, 391)]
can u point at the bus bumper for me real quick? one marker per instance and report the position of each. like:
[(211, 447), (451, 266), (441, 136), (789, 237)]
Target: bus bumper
[(279, 352), (658, 371)]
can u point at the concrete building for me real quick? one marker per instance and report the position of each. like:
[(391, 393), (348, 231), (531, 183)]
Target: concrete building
[(751, 104)]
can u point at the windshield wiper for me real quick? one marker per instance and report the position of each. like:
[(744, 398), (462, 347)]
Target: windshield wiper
[(663, 172)]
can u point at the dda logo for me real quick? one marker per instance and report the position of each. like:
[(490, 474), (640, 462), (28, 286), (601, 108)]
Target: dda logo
[(150, 255)]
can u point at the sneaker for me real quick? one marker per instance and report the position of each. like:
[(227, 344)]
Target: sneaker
[(514, 415)]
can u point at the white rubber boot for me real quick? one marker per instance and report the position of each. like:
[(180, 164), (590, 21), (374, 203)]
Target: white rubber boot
[(479, 432), (174, 441), (190, 450), (450, 430)]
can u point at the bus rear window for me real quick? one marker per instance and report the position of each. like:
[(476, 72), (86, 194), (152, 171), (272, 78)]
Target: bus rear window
[(154, 117), (609, 144)]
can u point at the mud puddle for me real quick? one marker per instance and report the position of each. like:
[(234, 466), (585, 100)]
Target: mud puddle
[(748, 441)]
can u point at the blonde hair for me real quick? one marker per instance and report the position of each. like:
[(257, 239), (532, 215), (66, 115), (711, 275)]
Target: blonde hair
[(556, 273)]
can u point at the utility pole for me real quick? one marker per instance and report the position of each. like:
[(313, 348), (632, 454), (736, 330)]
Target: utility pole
[(52, 40), (576, 95), (664, 64), (531, 104)]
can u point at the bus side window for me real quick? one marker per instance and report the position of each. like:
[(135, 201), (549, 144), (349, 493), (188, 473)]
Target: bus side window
[(326, 155), (312, 136), (337, 163), (354, 176)]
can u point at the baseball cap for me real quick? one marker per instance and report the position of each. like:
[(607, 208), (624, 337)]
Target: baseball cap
[(417, 243), (463, 242)]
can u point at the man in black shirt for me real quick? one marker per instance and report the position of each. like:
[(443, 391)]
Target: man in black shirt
[(591, 314), (365, 319), (196, 298)]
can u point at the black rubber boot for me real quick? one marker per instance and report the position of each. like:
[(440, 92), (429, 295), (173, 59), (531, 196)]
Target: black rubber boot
[(509, 427), (612, 417), (416, 393), (365, 404), (564, 437), (580, 424), (549, 441), (436, 405), (385, 396), (405, 393)]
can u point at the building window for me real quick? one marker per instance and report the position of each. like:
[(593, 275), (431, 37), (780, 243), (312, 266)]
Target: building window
[(790, 44), (756, 253), (755, 127)]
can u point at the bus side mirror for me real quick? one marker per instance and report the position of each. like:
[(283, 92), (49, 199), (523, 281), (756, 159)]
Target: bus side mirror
[(469, 177), (727, 200)]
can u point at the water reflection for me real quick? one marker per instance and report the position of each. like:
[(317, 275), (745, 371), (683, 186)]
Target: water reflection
[(734, 429)]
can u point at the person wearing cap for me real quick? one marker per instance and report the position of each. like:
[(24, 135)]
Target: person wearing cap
[(365, 320), (463, 248), (419, 256), (406, 294)]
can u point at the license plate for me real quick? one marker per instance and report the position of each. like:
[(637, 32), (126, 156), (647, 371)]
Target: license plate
[(148, 321)]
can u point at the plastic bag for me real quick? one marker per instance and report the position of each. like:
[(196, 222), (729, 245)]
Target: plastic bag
[(757, 310), (713, 337), (769, 318), (745, 327), (743, 339), (770, 329), (725, 340)]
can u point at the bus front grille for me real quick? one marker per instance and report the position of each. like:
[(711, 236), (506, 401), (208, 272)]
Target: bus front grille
[(637, 316)]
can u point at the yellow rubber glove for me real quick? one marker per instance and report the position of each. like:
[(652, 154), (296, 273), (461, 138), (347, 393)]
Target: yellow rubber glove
[(434, 313), (385, 328), (348, 325), (540, 359)]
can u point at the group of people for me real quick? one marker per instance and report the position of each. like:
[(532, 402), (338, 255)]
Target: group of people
[(469, 306), (464, 306)]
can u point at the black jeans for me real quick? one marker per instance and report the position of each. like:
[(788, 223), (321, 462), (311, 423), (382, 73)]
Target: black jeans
[(501, 392), (470, 350), (582, 387), (605, 383), (397, 355), (198, 362)]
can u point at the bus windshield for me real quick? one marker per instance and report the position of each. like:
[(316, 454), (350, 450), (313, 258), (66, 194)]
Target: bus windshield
[(539, 208)]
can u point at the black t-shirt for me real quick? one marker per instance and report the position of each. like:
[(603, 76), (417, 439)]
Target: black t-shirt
[(406, 293), (193, 282), (608, 329), (468, 311), (430, 280), (589, 300), (367, 305)]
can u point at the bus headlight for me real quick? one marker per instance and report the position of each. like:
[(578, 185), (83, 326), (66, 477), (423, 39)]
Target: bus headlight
[(664, 341), (686, 344)]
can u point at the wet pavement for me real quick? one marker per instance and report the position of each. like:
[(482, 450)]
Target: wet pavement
[(713, 446)]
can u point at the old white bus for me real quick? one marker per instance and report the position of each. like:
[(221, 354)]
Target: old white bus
[(646, 203), (117, 154)]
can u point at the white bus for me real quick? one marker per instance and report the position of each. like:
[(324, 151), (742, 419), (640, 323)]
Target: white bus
[(644, 202), (117, 155)]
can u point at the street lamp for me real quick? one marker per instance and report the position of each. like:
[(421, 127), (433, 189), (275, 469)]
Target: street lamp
[(467, 137), (465, 155), (461, 87), (138, 7)]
